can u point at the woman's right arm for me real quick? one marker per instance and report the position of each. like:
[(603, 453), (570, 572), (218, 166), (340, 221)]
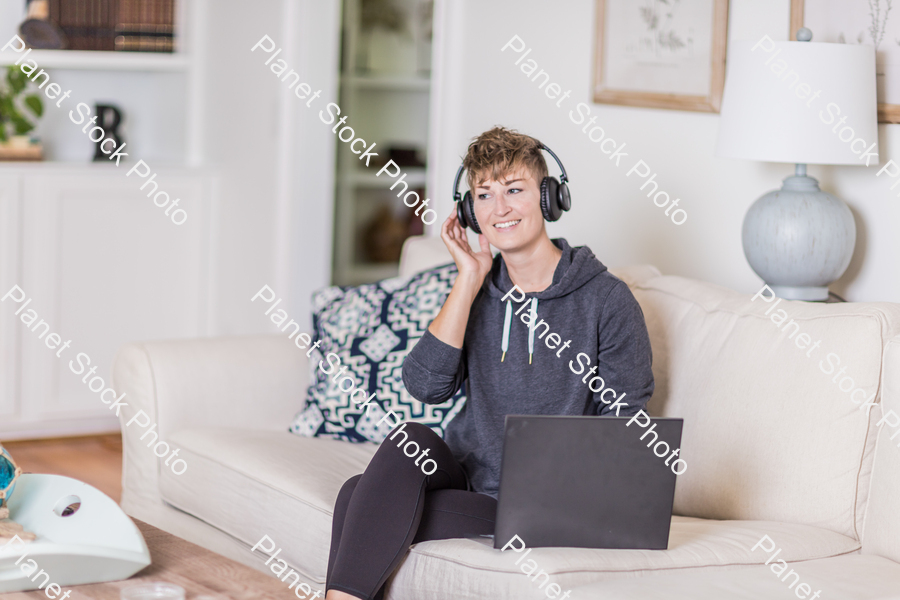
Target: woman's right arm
[(434, 369)]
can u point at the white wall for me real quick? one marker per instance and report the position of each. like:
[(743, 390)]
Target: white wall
[(275, 159), (311, 165), (481, 87)]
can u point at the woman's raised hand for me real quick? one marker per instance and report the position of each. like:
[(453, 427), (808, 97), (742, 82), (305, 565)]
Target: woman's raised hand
[(449, 325), (469, 262)]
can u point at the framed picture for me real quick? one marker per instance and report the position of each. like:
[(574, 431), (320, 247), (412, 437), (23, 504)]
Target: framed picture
[(661, 53), (853, 22)]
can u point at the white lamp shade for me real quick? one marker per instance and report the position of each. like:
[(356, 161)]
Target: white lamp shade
[(790, 109)]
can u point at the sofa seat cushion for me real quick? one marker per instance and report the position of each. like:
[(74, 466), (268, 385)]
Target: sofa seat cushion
[(469, 568), (251, 483), (848, 577)]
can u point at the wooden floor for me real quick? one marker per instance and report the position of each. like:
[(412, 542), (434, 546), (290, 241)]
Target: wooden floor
[(96, 460)]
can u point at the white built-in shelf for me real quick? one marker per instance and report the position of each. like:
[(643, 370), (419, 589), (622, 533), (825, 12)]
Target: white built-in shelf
[(415, 178), (95, 167), (388, 107), (100, 60), (385, 83)]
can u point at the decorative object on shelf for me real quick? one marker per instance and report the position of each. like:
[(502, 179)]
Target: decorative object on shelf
[(871, 23), (124, 25), (82, 535), (799, 239), (384, 235), (385, 43), (405, 156), (109, 119), (38, 31), (15, 108), (660, 54)]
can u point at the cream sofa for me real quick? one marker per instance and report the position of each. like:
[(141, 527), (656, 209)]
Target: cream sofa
[(774, 447)]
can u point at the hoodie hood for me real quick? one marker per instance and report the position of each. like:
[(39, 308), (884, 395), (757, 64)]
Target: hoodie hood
[(576, 267)]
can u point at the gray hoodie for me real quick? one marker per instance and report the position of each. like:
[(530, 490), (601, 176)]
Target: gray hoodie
[(599, 325)]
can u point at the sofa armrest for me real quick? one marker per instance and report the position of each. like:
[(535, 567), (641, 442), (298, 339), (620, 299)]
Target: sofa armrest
[(247, 382), (256, 382)]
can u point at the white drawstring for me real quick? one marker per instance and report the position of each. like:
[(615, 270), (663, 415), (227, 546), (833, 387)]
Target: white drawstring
[(534, 303), (504, 345)]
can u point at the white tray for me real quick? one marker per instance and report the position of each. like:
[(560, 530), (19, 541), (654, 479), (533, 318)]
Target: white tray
[(95, 544)]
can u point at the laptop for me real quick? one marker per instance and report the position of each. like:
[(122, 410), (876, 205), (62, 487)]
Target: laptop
[(585, 482)]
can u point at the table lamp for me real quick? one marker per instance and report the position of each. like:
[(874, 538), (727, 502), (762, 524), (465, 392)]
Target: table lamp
[(804, 103)]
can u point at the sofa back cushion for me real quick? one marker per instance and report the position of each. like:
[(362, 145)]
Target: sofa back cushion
[(882, 528), (768, 432), (422, 252)]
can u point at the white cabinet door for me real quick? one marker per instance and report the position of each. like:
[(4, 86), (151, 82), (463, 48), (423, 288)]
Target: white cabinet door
[(102, 266), (9, 276)]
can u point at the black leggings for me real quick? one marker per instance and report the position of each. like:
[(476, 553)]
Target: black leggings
[(393, 504)]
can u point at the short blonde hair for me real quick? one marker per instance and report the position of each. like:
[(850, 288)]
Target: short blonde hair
[(501, 151)]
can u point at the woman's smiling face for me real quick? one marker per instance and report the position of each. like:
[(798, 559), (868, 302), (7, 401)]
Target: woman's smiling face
[(509, 210)]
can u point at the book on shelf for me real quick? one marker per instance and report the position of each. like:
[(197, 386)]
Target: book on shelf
[(122, 25), (146, 26)]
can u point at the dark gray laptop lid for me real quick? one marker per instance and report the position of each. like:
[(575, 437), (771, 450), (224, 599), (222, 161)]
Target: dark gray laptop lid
[(587, 482)]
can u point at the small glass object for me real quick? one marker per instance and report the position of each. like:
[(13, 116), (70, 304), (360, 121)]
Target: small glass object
[(153, 591), (9, 472)]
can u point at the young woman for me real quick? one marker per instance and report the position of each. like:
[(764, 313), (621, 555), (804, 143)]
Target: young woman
[(598, 333)]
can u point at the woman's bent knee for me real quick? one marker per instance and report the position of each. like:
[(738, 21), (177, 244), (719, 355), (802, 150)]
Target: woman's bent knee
[(411, 431), (347, 488), (416, 441)]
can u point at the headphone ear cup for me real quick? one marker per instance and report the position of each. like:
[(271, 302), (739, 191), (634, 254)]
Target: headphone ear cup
[(565, 200), (550, 207), (461, 215), (468, 207)]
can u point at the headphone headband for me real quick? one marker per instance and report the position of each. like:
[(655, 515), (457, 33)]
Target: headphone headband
[(562, 179)]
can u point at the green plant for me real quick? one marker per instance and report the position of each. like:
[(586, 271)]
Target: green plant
[(13, 119)]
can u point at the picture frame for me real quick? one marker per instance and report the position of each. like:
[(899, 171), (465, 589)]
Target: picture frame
[(845, 21), (661, 53)]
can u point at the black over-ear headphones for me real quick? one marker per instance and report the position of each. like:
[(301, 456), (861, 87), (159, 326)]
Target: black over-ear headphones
[(555, 197)]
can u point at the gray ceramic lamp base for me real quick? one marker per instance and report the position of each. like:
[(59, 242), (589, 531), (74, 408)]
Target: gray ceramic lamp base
[(799, 239)]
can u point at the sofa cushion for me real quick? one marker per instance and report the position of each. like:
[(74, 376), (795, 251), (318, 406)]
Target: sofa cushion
[(768, 435), (422, 252), (251, 483), (882, 532), (254, 483), (468, 568), (371, 329), (847, 577)]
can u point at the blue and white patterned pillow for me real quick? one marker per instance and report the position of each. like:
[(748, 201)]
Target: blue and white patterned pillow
[(372, 328)]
